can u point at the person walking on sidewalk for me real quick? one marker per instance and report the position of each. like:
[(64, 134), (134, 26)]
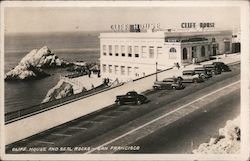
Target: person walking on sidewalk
[(177, 65)]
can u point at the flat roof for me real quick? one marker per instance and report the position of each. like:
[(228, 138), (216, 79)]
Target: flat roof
[(159, 34), (197, 33), (162, 34)]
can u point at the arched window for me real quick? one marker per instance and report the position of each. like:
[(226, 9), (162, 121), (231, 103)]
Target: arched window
[(172, 50), (172, 53), (184, 53), (203, 52)]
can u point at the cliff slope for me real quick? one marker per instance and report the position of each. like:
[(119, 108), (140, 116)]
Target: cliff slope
[(228, 141), (61, 90)]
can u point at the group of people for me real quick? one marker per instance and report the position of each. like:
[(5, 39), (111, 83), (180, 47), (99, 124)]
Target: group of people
[(106, 81), (90, 72)]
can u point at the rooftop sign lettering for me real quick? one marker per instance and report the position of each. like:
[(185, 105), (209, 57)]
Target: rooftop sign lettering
[(134, 27), (198, 25)]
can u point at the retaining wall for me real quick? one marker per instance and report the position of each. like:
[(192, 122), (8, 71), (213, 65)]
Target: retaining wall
[(42, 121)]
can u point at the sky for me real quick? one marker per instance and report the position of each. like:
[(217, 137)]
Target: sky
[(58, 19)]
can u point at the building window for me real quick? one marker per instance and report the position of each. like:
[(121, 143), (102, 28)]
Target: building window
[(227, 46), (123, 50), (151, 52), (172, 53), (184, 53), (136, 50), (159, 50), (129, 55), (116, 69), (116, 50), (104, 49), (172, 50), (130, 50), (203, 51), (213, 39), (144, 51), (129, 71), (104, 68), (136, 70), (110, 50), (122, 70), (209, 48), (110, 68)]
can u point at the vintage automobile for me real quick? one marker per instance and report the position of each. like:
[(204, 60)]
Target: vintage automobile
[(131, 97), (204, 74), (189, 76), (169, 83), (212, 69), (222, 66)]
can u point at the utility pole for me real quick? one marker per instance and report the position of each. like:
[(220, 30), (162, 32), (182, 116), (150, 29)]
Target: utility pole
[(156, 76)]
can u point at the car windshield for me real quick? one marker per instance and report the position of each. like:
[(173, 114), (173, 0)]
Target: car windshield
[(188, 73), (218, 63), (209, 66), (168, 80), (131, 93)]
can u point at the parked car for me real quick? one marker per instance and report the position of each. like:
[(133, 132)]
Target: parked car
[(205, 74), (222, 66), (189, 76), (131, 97), (169, 83), (212, 69)]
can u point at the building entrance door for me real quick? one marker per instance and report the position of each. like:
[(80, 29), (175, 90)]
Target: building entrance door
[(214, 50), (194, 55)]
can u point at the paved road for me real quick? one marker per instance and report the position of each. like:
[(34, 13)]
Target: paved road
[(188, 133), (94, 129)]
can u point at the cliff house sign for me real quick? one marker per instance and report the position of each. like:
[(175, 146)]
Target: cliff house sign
[(197, 25), (134, 27)]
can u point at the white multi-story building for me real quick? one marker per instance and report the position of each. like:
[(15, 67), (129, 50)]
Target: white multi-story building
[(130, 55)]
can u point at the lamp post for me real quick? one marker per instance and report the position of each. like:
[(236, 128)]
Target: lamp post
[(156, 76)]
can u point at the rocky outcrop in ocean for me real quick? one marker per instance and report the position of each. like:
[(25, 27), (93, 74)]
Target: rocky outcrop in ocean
[(30, 67), (61, 90), (228, 141), (27, 72)]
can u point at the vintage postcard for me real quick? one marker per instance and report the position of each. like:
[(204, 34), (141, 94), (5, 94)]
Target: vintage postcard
[(125, 80)]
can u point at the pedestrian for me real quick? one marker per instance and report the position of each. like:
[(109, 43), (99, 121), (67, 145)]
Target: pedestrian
[(193, 60), (177, 65), (89, 73), (99, 74)]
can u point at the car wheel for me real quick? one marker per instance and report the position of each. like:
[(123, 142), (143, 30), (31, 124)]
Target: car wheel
[(118, 103), (138, 102), (195, 81), (180, 79), (174, 88)]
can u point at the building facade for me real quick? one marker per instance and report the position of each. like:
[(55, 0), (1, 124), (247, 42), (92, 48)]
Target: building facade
[(131, 55)]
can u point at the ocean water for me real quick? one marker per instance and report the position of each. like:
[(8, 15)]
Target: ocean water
[(68, 46)]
